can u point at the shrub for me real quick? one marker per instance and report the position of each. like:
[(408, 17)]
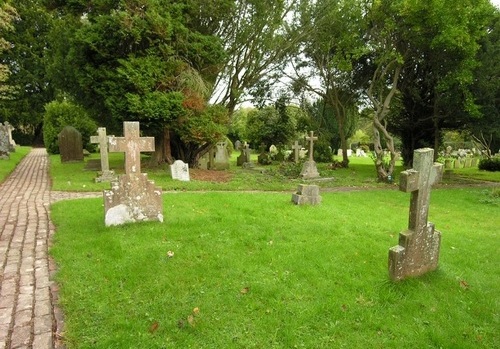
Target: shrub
[(492, 164), (59, 114), (323, 152)]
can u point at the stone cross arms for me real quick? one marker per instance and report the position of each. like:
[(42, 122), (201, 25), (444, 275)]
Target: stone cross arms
[(102, 140), (132, 144), (311, 138)]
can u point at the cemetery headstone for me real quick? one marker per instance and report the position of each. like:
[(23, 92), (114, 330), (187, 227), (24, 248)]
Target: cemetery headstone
[(309, 170), (240, 160), (70, 144), (132, 197), (237, 144), (247, 156), (12, 143), (306, 195), (418, 248), (221, 161), (263, 158), (180, 171), (102, 139), (4, 143), (296, 149)]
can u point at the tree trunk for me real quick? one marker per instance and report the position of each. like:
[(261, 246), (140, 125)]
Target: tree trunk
[(163, 150), (384, 171)]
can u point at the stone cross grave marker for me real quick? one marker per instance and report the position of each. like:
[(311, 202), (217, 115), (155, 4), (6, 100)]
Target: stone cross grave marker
[(102, 139), (296, 148), (132, 197), (180, 171), (309, 170), (4, 142), (418, 248), (70, 144), (132, 144)]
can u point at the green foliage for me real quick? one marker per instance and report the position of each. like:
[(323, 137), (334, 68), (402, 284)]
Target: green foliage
[(59, 114), (271, 125), (323, 152), (490, 164)]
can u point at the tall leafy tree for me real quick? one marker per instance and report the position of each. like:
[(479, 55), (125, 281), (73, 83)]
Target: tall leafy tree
[(439, 40), (29, 90), (7, 13), (331, 44), (256, 41), (145, 60)]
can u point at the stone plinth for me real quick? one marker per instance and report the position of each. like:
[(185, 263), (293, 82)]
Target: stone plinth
[(132, 198), (307, 195), (418, 248), (309, 170)]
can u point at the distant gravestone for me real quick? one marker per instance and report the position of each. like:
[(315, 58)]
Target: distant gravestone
[(263, 158), (296, 149), (4, 142), (418, 249), (237, 144), (132, 197), (102, 139), (221, 161), (306, 195), (12, 143), (309, 170), (70, 144), (240, 160), (180, 171), (247, 152)]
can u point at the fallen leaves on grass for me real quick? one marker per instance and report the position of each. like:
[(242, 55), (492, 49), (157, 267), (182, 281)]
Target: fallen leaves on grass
[(154, 327), (464, 284), (245, 290)]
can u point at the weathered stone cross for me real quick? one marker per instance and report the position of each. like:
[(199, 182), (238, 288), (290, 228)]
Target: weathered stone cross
[(418, 249), (102, 140), (132, 144), (311, 139), (296, 149)]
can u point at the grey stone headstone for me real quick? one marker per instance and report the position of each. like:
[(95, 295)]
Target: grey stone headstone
[(418, 250), (70, 144), (306, 195), (12, 143), (105, 174), (221, 161), (180, 171), (4, 142)]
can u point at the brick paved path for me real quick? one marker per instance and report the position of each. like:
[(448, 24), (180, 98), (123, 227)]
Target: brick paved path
[(27, 315)]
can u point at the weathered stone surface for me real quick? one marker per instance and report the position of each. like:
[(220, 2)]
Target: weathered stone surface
[(306, 195), (4, 142), (296, 149), (106, 175), (309, 169), (180, 170), (132, 198), (70, 144), (132, 144), (12, 143), (418, 248), (221, 161)]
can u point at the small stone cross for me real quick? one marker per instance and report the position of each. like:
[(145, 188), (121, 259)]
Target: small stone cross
[(102, 140), (246, 151), (296, 149), (418, 249), (311, 139), (132, 144)]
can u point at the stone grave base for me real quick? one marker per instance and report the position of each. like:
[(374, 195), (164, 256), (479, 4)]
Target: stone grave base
[(105, 176), (307, 195), (132, 198), (309, 170), (413, 258)]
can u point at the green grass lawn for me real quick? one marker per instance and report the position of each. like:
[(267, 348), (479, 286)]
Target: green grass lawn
[(252, 270), (361, 173), (7, 166)]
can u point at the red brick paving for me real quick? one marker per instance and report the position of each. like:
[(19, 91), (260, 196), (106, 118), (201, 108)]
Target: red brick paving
[(28, 318)]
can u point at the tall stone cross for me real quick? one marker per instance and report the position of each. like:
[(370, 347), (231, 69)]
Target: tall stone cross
[(132, 144), (102, 140), (296, 149), (311, 139), (418, 249)]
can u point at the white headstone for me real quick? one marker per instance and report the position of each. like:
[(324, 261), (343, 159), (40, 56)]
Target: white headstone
[(180, 170)]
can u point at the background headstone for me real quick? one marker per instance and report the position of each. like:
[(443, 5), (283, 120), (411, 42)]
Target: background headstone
[(4, 142), (70, 144), (102, 139), (221, 161), (180, 170), (12, 143), (309, 169), (296, 149), (418, 249)]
